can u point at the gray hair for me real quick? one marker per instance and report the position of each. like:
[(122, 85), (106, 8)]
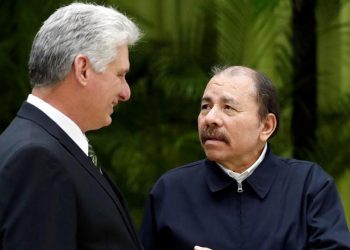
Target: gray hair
[(266, 93), (93, 30)]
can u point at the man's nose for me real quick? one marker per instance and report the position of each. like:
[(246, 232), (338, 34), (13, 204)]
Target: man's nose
[(125, 92), (214, 116)]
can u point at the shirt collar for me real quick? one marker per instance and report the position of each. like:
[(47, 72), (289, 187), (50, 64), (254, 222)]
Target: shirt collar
[(239, 177), (63, 121), (260, 181)]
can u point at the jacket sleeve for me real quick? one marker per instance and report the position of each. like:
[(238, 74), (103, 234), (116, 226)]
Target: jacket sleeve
[(148, 232), (325, 217), (37, 204)]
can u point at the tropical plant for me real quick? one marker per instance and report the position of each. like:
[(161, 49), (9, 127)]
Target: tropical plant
[(156, 130)]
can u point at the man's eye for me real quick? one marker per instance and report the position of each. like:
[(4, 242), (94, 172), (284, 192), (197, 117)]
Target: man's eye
[(204, 106), (230, 109)]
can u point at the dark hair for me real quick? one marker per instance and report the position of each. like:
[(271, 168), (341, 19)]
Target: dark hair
[(266, 93), (266, 97)]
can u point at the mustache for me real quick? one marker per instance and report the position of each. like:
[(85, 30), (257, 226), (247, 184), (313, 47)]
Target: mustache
[(213, 134)]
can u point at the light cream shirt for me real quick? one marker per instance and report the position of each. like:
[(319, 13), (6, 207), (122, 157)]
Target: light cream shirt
[(63, 121), (239, 177)]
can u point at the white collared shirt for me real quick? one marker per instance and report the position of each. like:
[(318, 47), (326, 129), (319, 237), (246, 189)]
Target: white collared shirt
[(239, 177), (63, 121)]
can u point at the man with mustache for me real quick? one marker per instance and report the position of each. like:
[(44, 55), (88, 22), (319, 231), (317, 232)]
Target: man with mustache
[(243, 196)]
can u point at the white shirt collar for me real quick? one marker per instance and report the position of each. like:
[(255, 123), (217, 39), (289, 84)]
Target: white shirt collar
[(63, 121), (241, 177)]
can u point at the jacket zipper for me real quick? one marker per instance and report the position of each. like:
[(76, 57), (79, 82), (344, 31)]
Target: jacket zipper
[(240, 187)]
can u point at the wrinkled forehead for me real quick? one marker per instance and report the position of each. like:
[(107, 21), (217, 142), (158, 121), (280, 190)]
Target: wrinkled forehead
[(226, 84)]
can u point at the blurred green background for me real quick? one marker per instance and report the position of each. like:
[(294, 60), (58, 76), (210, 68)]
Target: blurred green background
[(302, 45)]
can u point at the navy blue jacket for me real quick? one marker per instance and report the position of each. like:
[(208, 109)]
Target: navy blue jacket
[(285, 204)]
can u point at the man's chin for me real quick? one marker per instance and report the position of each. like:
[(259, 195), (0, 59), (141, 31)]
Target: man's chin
[(105, 123), (212, 155)]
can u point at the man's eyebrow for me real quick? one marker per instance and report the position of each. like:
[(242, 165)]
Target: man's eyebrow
[(229, 99), (206, 99), (224, 99)]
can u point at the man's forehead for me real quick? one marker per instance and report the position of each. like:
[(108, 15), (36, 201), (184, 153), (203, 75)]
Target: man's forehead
[(229, 86), (231, 82)]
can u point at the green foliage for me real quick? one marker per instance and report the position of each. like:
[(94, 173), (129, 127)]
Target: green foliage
[(19, 22), (343, 185), (157, 129)]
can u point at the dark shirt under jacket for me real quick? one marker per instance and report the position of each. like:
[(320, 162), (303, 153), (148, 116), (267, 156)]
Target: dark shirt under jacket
[(286, 204)]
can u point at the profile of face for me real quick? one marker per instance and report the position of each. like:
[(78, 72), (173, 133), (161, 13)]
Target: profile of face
[(230, 129), (106, 89)]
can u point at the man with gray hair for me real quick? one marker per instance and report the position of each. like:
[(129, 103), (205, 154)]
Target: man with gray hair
[(242, 196), (53, 193)]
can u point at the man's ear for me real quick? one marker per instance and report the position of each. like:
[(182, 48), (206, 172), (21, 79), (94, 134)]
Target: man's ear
[(80, 68), (269, 125)]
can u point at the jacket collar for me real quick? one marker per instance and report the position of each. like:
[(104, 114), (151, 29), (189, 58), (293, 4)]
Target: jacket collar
[(264, 175), (217, 179), (30, 112), (260, 181)]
